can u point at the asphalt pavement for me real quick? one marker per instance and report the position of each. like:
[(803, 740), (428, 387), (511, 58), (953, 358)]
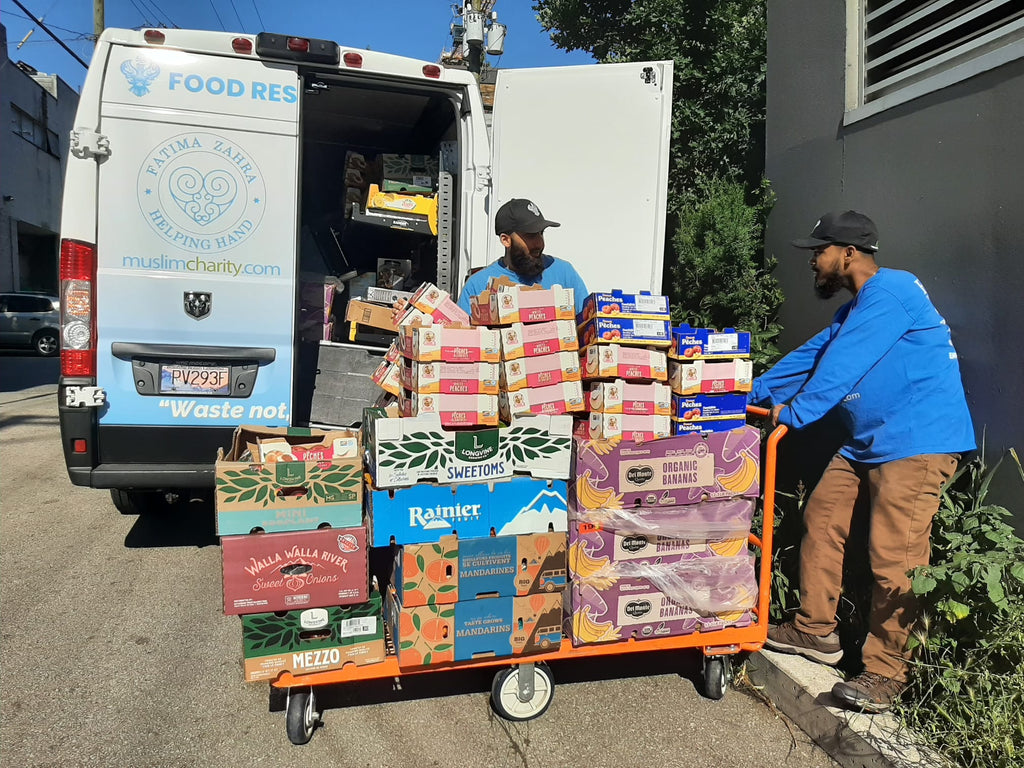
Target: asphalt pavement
[(114, 651)]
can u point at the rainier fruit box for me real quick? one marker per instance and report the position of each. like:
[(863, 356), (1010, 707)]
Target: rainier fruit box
[(454, 569), (626, 330), (665, 473), (474, 629), (453, 410), (519, 340), (554, 399), (301, 569), (432, 343), (540, 371), (404, 451), (450, 378), (313, 640), (613, 361), (619, 304), (504, 303), (696, 343), (706, 407), (425, 512), (608, 426), (620, 396), (707, 377), (288, 479)]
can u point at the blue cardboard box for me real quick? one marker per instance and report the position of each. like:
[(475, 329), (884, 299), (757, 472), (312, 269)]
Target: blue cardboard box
[(626, 330), (699, 343), (705, 407), (704, 427), (617, 304)]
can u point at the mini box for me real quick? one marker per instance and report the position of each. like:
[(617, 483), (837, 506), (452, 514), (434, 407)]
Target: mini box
[(301, 569), (388, 376), (566, 397), (634, 399), (505, 302), (454, 569), (453, 410), (540, 371), (450, 378), (697, 343), (519, 340), (626, 330), (614, 361), (706, 427), (603, 426), (707, 407), (708, 377), (433, 343), (619, 304)]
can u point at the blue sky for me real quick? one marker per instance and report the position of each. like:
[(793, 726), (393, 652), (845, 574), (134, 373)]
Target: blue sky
[(417, 28)]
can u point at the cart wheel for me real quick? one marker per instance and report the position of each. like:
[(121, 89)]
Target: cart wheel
[(716, 676), (302, 716), (512, 703)]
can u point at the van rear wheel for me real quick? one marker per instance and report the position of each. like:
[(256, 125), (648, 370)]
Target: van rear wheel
[(132, 502)]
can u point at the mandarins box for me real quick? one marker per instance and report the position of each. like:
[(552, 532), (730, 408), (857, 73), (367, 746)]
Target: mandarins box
[(697, 343), (474, 629), (519, 340), (540, 371), (433, 343), (450, 378), (619, 304), (670, 472), (505, 302), (566, 397), (614, 361), (620, 396), (453, 569), (313, 640), (606, 426), (626, 330), (694, 377), (287, 479), (299, 569), (453, 410)]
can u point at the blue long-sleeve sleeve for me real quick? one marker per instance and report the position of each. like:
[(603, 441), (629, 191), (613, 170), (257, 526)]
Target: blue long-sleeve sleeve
[(784, 379)]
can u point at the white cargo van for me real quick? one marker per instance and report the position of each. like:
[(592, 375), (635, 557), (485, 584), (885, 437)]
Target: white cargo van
[(207, 182)]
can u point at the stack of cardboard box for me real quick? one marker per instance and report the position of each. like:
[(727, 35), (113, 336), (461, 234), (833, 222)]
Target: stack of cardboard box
[(710, 373)]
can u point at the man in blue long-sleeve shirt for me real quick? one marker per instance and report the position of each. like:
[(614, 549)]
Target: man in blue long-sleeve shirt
[(887, 365)]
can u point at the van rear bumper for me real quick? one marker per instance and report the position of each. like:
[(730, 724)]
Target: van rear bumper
[(141, 476)]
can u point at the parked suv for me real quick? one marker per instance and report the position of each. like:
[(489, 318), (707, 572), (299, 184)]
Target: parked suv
[(30, 320)]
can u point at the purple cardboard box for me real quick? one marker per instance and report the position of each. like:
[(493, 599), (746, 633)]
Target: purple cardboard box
[(670, 472)]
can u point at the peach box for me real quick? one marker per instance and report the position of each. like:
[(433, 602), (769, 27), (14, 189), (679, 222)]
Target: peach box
[(519, 340), (614, 361), (540, 371), (635, 399), (704, 376), (504, 303), (435, 304), (565, 397), (433, 343), (639, 428), (450, 378), (387, 376), (453, 410)]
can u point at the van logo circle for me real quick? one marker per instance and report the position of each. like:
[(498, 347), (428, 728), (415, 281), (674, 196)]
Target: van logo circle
[(198, 304), (637, 609), (640, 475), (201, 192)]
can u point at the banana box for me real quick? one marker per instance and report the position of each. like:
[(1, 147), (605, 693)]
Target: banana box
[(626, 330), (313, 640), (619, 304), (620, 396), (474, 629), (706, 427), (453, 569), (566, 397), (505, 302), (453, 410), (708, 407), (449, 378), (438, 343), (615, 426), (699, 343), (521, 340), (388, 376), (671, 472), (540, 371), (694, 377), (614, 361)]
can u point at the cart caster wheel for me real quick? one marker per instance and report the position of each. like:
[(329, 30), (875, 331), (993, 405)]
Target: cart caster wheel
[(717, 673), (513, 696), (302, 716)]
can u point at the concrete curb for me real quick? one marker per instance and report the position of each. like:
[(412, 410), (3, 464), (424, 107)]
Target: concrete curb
[(801, 690)]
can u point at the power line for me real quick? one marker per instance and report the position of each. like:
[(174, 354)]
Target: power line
[(218, 16), (159, 10), (53, 26), (241, 26), (142, 13), (46, 29), (263, 27)]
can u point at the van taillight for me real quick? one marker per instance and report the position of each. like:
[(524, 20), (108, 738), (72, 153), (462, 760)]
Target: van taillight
[(298, 44), (242, 45), (154, 36), (431, 70), (353, 60), (77, 308)]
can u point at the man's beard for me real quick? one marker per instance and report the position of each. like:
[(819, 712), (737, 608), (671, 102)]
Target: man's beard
[(524, 264), (827, 286)]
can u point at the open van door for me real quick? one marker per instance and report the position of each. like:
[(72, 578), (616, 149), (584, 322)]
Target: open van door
[(589, 145)]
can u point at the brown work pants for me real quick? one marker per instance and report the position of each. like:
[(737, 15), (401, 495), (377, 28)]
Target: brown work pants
[(904, 497)]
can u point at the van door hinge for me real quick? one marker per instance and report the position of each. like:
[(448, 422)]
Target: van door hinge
[(84, 397), (483, 177), (86, 144)]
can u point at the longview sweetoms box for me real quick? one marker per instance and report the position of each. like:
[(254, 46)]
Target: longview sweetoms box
[(648, 332), (619, 304), (405, 451), (697, 343), (614, 361), (425, 512), (474, 629), (670, 472), (540, 371), (454, 569), (301, 569), (313, 640), (288, 479)]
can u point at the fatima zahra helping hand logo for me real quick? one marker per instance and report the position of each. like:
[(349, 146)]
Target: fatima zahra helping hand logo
[(140, 74)]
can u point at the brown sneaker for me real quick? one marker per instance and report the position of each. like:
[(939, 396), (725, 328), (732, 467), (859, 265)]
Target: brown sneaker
[(786, 638), (868, 692)]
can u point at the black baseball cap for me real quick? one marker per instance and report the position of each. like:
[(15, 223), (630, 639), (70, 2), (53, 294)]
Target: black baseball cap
[(845, 228), (520, 215)]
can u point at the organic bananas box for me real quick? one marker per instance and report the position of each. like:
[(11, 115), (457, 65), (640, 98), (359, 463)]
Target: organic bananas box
[(425, 512), (706, 377), (473, 629), (540, 371), (615, 426), (706, 427), (614, 361), (433, 343), (450, 378), (620, 396), (530, 340), (300, 569), (667, 473), (707, 407), (554, 399), (313, 640), (626, 330), (697, 343), (453, 569), (505, 302), (659, 534), (453, 410), (619, 304), (403, 452)]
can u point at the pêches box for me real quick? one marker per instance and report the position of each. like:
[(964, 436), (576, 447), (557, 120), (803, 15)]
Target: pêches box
[(505, 302), (620, 396), (709, 377), (436, 343), (614, 361), (707, 407), (619, 304), (540, 371), (450, 378), (706, 427), (566, 397), (453, 410), (388, 376), (604, 426), (439, 305), (520, 340), (626, 330), (697, 343)]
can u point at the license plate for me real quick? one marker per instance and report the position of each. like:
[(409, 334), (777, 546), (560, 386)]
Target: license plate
[(195, 379)]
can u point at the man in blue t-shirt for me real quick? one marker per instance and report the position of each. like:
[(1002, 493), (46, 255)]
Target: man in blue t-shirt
[(887, 365), (520, 226)]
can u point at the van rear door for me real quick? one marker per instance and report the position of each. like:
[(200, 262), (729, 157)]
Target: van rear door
[(589, 145), (196, 244)]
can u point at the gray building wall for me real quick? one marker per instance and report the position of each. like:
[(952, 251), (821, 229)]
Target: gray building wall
[(941, 177), (31, 178)]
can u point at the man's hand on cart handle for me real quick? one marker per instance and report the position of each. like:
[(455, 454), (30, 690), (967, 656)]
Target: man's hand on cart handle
[(776, 410)]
